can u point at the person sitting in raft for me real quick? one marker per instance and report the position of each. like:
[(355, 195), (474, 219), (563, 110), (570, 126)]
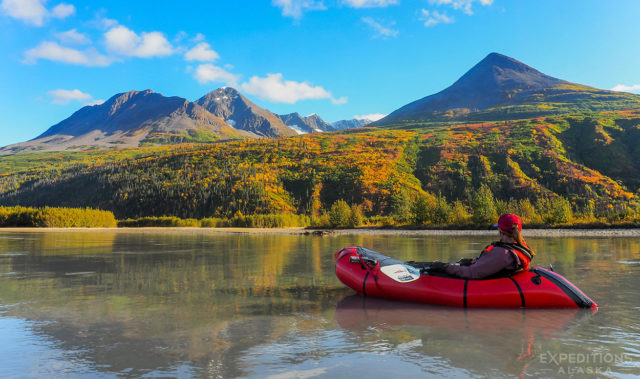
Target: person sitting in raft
[(507, 256)]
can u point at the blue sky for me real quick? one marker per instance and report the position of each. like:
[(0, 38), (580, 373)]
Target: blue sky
[(336, 58)]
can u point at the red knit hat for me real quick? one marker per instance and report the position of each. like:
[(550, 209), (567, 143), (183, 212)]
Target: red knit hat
[(506, 221)]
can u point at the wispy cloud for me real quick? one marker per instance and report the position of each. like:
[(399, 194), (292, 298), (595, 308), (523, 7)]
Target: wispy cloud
[(52, 51), (72, 37), (101, 22), (275, 89), (635, 88), (297, 8), (209, 73), (202, 52), (65, 96), (372, 116), (63, 11), (381, 31), (123, 41), (369, 3), (33, 12), (433, 18), (463, 5), (340, 100), (119, 40)]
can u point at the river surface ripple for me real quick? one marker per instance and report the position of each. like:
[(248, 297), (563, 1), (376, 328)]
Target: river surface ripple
[(117, 304)]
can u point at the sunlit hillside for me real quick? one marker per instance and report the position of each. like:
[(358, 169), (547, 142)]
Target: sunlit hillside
[(591, 160)]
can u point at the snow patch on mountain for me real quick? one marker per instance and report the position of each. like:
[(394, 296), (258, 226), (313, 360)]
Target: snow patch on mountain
[(297, 129)]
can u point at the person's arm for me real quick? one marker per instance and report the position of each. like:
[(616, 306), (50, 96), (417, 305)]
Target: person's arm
[(488, 264)]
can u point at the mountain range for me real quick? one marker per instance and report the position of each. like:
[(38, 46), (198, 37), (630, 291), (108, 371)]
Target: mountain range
[(309, 124), (497, 88), (584, 152), (138, 118)]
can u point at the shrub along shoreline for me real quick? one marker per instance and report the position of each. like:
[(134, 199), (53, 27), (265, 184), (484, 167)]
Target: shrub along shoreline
[(49, 217)]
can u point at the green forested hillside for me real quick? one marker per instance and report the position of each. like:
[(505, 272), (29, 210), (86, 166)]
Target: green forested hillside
[(592, 161)]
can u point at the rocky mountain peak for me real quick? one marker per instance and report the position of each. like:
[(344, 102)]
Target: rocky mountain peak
[(228, 104), (117, 102), (497, 72)]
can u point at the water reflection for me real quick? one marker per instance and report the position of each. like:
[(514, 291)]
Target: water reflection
[(511, 333), (74, 304)]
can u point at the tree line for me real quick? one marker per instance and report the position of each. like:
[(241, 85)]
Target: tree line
[(462, 175)]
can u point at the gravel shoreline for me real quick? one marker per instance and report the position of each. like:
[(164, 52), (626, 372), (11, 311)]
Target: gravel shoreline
[(337, 232)]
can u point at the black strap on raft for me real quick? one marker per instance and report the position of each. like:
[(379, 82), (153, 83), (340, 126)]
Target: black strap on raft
[(364, 284), (519, 291), (369, 262)]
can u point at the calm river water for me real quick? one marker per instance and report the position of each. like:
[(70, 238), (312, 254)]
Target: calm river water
[(164, 304)]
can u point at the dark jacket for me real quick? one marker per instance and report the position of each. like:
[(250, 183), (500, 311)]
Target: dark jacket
[(499, 258)]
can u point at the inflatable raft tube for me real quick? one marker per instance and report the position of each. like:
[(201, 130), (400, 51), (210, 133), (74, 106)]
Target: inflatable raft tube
[(373, 274)]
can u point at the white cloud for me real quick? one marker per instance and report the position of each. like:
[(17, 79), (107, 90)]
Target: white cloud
[(625, 88), (201, 52), (381, 31), (372, 116), (296, 8), (33, 12), (124, 41), (63, 11), (54, 52), (199, 37), (64, 96), (339, 101), (463, 5), (273, 88), (101, 22), (73, 37), (180, 36), (29, 11), (207, 73), (432, 18), (107, 23), (95, 102), (369, 3)]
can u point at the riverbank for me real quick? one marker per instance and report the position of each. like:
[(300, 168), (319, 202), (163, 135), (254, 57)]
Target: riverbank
[(336, 232)]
